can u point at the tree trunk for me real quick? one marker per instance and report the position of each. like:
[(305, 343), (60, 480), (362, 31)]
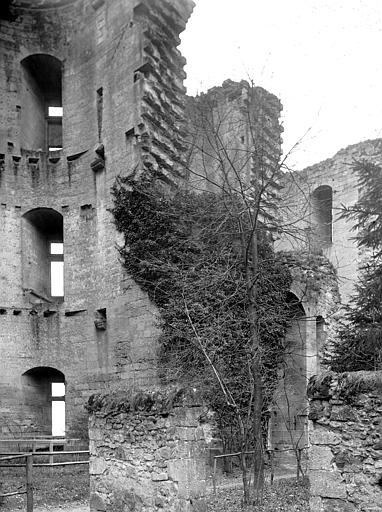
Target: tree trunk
[(258, 458)]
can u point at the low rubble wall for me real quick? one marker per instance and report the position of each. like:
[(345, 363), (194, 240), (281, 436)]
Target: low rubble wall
[(148, 452), (345, 464)]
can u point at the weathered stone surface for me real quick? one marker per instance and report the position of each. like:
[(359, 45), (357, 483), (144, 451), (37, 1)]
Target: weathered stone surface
[(135, 466), (336, 505), (107, 113), (324, 437), (97, 503), (337, 174), (327, 484), (322, 458), (343, 413), (315, 504), (348, 428)]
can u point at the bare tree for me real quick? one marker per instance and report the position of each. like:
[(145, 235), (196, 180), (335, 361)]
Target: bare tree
[(235, 151)]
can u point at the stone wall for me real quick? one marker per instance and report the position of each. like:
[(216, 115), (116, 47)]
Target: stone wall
[(346, 442), (148, 452), (233, 131), (314, 299), (298, 209), (111, 53)]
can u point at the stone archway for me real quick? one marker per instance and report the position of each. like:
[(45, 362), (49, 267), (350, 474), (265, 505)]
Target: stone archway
[(288, 421), (40, 393)]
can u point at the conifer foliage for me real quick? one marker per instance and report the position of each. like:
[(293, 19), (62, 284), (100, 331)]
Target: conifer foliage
[(359, 346)]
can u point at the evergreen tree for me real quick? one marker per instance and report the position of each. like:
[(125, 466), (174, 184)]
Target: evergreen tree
[(359, 344)]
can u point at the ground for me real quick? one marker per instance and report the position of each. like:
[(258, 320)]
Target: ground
[(72, 507), (58, 489), (285, 495), (67, 490)]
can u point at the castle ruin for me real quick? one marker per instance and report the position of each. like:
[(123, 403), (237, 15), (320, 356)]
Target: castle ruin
[(90, 90)]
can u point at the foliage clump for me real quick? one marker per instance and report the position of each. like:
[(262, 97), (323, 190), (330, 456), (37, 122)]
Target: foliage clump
[(359, 344), (159, 402), (184, 249)]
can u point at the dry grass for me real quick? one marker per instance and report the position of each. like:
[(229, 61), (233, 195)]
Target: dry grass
[(68, 485), (283, 496), (56, 486)]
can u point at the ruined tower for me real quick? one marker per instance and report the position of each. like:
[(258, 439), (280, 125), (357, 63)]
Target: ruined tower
[(89, 89)]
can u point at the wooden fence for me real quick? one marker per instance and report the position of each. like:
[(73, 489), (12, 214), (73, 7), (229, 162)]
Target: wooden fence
[(29, 464), (271, 456)]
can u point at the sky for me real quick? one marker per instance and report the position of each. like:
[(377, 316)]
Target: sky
[(322, 58)]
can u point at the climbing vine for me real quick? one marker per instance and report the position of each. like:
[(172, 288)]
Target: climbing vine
[(184, 250)]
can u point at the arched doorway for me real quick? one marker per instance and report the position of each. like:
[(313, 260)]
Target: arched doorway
[(287, 427), (43, 390)]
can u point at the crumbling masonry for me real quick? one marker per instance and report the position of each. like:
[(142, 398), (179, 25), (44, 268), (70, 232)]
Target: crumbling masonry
[(114, 69)]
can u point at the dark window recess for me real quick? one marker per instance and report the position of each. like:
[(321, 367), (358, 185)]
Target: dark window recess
[(43, 258), (6, 12), (42, 388), (322, 216), (41, 95), (99, 112), (87, 212)]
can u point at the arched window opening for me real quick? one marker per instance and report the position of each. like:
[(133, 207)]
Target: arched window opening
[(43, 254), (41, 103), (320, 332), (322, 216), (44, 400)]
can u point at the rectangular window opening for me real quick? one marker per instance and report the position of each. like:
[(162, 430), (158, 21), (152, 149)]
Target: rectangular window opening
[(58, 389), (57, 278), (55, 111), (56, 248), (58, 418)]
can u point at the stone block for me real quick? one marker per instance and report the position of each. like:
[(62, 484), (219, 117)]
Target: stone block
[(159, 477), (337, 505), (97, 503), (324, 436), (315, 504), (343, 413), (97, 466), (327, 484), (321, 457)]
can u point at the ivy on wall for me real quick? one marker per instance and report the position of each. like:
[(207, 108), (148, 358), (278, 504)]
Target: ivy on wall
[(183, 249)]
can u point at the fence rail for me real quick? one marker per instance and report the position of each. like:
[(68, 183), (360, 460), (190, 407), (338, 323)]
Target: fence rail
[(28, 464), (28, 478), (270, 452)]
